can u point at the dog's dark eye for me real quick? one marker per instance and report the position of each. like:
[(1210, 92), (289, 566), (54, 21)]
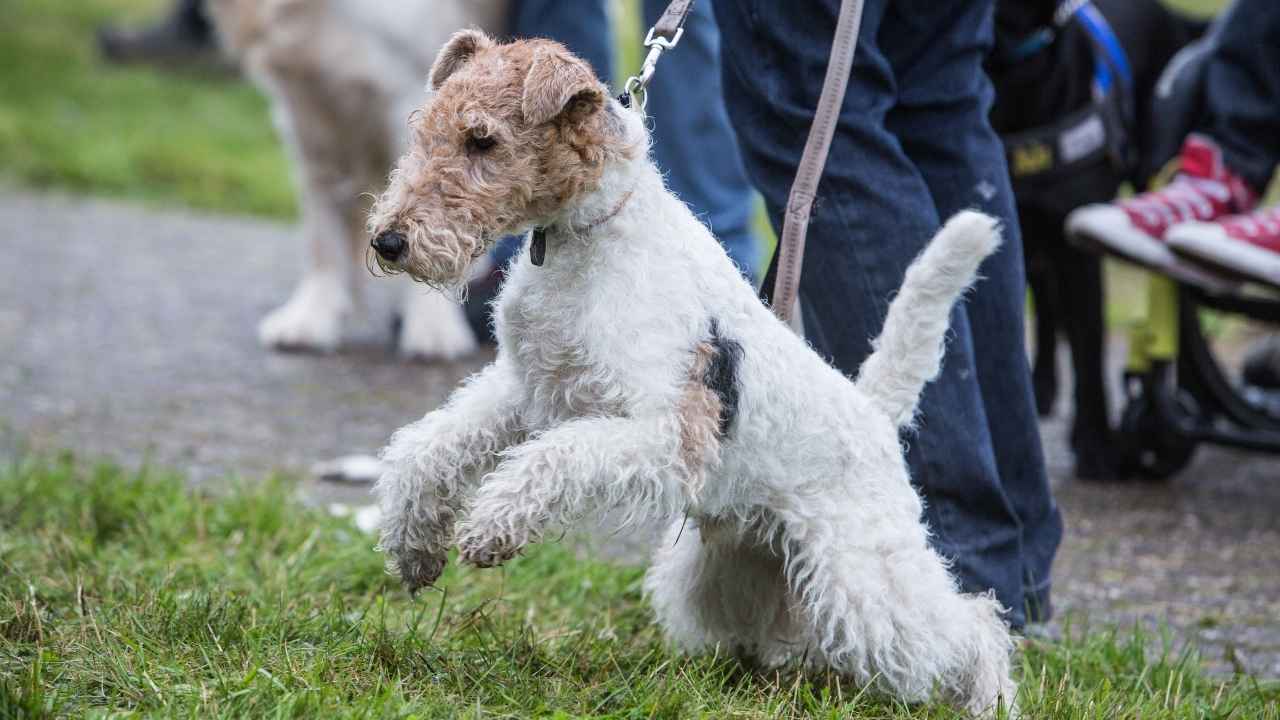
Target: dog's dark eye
[(480, 143)]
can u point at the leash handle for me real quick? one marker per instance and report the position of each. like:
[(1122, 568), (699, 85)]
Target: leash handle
[(671, 24), (814, 159), (664, 35)]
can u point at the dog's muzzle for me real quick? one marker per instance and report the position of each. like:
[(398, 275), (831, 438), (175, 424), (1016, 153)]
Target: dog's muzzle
[(390, 245)]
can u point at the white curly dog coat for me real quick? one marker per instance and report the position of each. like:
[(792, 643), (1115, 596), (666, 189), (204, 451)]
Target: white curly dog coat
[(343, 76), (637, 373)]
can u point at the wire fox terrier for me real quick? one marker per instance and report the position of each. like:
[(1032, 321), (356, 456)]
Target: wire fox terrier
[(638, 374)]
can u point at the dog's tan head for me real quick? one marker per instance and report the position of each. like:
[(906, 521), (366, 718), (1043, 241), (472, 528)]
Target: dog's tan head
[(513, 133)]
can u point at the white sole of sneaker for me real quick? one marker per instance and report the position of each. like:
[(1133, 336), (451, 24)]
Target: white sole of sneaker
[(1107, 228), (1206, 242)]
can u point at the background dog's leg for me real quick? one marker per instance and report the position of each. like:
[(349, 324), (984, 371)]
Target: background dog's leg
[(435, 327), (882, 605), (433, 465), (312, 319), (625, 465)]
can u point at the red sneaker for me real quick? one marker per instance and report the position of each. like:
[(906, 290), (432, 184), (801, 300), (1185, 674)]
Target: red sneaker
[(1204, 190), (1247, 245)]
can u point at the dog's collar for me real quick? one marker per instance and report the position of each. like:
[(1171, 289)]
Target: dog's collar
[(538, 245)]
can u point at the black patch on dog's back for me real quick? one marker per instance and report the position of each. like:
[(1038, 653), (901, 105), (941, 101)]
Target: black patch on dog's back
[(721, 376)]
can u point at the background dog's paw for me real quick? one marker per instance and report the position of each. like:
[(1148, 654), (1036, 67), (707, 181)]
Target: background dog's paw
[(435, 328), (312, 318)]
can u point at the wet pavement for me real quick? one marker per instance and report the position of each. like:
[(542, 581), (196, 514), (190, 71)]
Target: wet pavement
[(129, 334)]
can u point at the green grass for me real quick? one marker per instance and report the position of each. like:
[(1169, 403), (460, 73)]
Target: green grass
[(125, 593), (69, 121)]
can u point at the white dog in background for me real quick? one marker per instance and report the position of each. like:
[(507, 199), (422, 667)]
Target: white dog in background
[(343, 77)]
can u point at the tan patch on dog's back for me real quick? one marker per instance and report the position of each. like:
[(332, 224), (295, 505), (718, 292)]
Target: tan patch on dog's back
[(699, 412)]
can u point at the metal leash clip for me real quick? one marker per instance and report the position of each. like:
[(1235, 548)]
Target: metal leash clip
[(662, 36)]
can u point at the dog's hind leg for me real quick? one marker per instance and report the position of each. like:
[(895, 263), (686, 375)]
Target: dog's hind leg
[(713, 588), (883, 608), (625, 465), (432, 466)]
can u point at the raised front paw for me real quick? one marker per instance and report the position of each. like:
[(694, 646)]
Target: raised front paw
[(418, 569), (478, 547), (416, 532)]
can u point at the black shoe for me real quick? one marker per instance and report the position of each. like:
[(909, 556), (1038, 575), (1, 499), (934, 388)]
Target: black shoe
[(184, 38)]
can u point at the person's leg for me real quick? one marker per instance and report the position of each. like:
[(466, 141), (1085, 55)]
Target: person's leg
[(1242, 91), (583, 26), (936, 49), (585, 29), (872, 216), (693, 141)]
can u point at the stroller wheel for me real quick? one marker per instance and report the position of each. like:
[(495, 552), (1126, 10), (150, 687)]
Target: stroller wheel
[(1148, 442)]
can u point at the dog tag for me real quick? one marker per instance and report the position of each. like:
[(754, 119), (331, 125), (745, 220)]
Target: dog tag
[(538, 246)]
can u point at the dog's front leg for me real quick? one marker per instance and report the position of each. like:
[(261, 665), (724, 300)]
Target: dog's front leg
[(622, 464), (433, 465), (313, 317)]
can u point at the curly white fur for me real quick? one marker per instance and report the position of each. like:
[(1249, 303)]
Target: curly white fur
[(805, 539)]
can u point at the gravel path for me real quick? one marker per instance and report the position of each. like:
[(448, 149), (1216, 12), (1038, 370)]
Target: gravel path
[(129, 334)]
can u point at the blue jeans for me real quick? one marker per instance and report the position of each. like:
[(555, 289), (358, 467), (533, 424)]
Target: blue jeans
[(693, 141), (913, 146), (1242, 90)]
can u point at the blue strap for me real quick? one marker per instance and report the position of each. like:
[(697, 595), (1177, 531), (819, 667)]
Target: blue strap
[(1106, 39), (1033, 44)]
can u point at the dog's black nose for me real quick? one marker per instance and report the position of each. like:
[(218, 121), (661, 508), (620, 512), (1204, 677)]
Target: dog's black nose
[(390, 245)]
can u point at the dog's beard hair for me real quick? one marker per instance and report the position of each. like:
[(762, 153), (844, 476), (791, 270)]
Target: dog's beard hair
[(458, 292), (373, 263), (459, 270), (378, 267)]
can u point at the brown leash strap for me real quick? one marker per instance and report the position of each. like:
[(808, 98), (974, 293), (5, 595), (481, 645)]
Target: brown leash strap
[(673, 19), (800, 203)]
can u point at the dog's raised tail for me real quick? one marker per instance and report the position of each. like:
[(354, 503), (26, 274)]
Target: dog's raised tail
[(908, 352)]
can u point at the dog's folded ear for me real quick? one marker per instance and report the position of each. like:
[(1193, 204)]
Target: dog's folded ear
[(559, 83), (457, 52)]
